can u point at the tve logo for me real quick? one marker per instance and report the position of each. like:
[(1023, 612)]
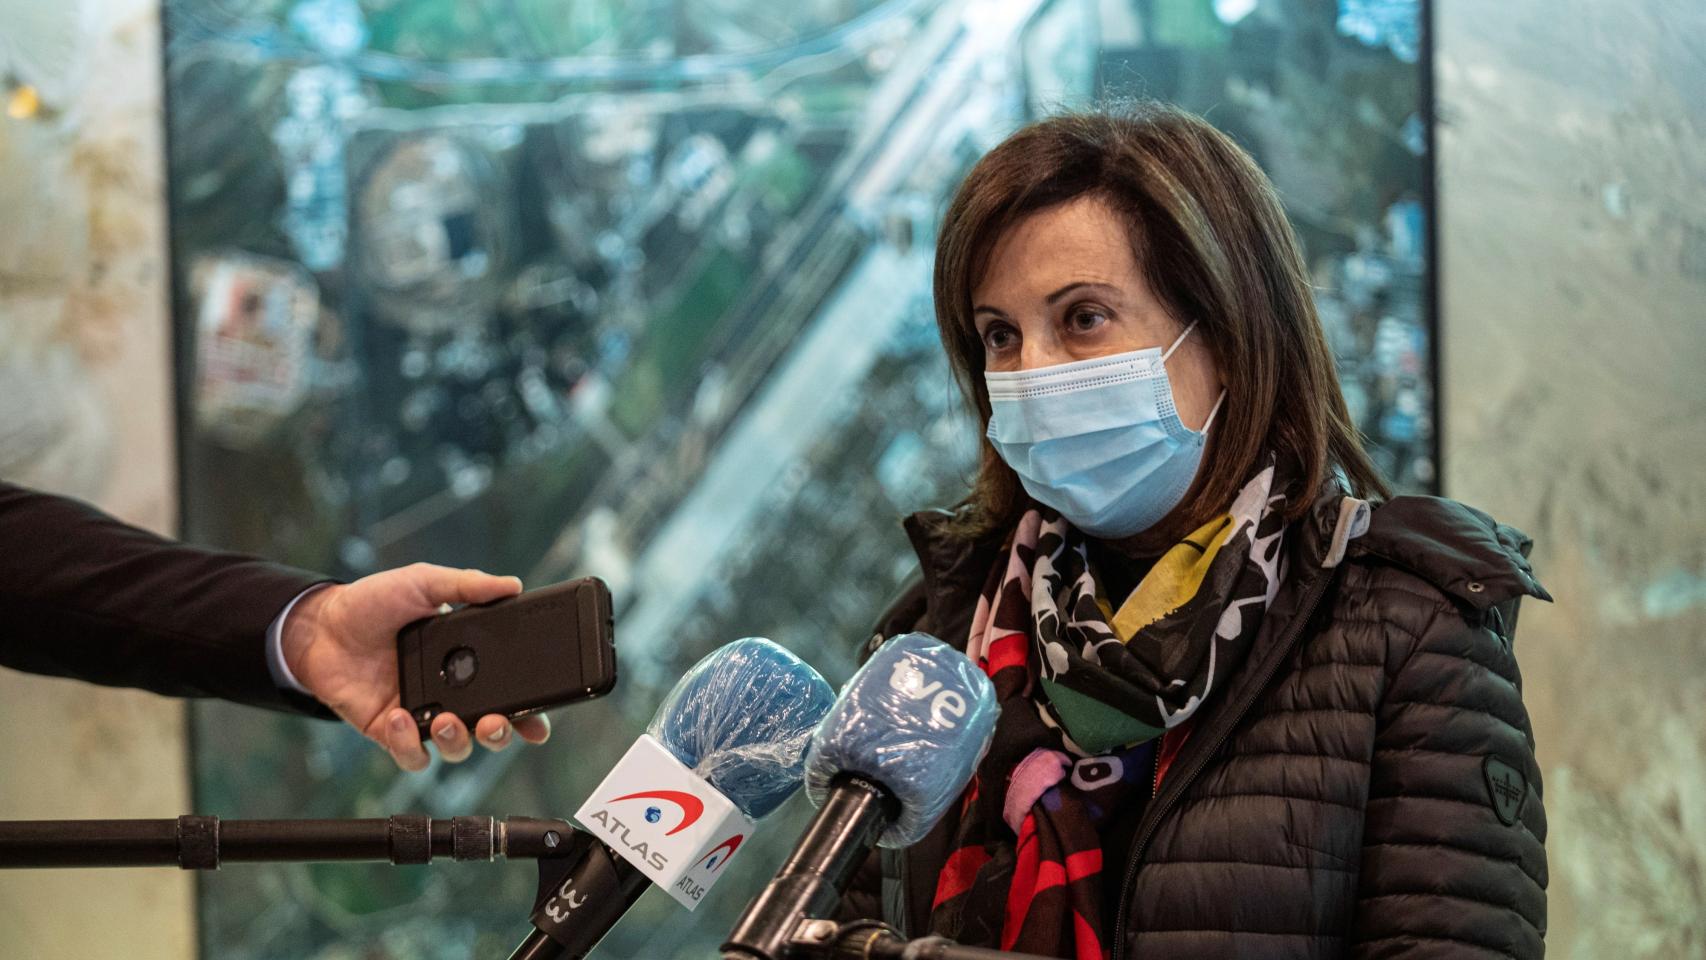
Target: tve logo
[(908, 681)]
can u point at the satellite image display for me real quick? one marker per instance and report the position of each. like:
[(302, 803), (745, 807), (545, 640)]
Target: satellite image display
[(641, 290)]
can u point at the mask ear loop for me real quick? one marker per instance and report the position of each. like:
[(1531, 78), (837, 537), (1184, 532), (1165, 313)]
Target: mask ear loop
[(1217, 400), (1212, 413), (1176, 343)]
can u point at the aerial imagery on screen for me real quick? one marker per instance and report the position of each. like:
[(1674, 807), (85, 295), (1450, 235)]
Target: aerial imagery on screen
[(642, 292)]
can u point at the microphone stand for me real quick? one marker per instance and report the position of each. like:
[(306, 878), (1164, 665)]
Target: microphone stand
[(810, 881), (569, 916), (203, 843), (872, 940)]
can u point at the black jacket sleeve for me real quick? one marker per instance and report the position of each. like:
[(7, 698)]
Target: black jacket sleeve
[(85, 596), (1443, 872)]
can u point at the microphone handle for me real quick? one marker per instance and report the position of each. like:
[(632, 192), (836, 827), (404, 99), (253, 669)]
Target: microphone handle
[(891, 947), (811, 881), (581, 903), (875, 940), (538, 946)]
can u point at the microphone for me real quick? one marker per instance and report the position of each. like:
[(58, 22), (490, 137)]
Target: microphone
[(890, 757), (726, 747)]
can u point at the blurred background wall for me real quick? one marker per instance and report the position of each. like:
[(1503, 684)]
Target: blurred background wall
[(1572, 188), (86, 409), (1572, 155)]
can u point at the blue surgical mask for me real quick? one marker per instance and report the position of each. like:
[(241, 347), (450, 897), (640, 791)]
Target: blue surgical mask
[(1099, 440)]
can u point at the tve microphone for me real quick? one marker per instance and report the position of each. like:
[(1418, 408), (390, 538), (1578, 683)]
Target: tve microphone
[(890, 757), (726, 747)]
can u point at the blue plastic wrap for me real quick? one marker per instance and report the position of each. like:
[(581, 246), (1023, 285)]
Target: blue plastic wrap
[(742, 719), (917, 718)]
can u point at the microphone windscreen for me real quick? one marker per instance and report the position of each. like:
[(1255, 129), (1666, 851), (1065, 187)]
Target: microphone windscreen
[(742, 719), (917, 718)]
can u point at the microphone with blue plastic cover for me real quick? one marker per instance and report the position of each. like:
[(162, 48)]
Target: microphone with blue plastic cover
[(889, 759), (726, 747)]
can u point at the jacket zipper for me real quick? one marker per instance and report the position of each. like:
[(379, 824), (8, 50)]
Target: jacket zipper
[(1155, 770), (1136, 856)]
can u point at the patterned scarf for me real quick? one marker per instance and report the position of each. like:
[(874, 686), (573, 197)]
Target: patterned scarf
[(1085, 691)]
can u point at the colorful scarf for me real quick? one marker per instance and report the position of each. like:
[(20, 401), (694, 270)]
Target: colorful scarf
[(1085, 691)]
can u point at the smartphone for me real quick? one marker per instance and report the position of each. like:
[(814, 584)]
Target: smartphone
[(540, 649)]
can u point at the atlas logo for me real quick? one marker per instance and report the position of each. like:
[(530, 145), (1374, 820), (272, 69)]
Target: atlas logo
[(908, 681), (721, 853), (690, 882), (692, 808)]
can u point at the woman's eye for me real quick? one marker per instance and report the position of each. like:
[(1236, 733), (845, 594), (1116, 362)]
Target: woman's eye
[(1085, 320), (998, 338)]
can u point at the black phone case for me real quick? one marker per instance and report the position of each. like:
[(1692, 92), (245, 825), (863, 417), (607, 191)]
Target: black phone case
[(515, 656)]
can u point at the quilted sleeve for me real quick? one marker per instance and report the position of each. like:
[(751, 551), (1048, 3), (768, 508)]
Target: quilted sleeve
[(1453, 860)]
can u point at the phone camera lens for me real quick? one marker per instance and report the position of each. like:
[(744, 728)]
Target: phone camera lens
[(460, 666)]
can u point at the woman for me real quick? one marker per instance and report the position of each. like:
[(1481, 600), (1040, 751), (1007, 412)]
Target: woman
[(1244, 712)]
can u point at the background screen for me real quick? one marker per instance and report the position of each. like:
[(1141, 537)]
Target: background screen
[(642, 291)]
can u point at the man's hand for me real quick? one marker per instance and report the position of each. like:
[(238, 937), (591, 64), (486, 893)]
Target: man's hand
[(341, 643)]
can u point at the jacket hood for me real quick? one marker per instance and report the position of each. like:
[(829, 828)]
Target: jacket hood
[(1460, 550)]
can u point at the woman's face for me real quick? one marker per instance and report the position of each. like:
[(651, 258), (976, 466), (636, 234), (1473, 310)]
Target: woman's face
[(1062, 285)]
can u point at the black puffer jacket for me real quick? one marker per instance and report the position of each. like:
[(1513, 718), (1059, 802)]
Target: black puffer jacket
[(1364, 787)]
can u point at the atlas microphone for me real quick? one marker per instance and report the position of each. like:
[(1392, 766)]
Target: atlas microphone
[(726, 747), (888, 760)]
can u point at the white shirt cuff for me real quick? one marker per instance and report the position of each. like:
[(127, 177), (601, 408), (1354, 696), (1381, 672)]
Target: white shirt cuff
[(281, 675)]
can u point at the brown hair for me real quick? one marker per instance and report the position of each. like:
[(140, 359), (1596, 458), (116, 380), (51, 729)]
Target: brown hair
[(1208, 231)]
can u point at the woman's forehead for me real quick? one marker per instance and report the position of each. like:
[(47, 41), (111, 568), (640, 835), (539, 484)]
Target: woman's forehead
[(1079, 241)]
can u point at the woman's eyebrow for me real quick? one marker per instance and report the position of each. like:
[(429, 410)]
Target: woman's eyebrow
[(1053, 297), (1063, 291)]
